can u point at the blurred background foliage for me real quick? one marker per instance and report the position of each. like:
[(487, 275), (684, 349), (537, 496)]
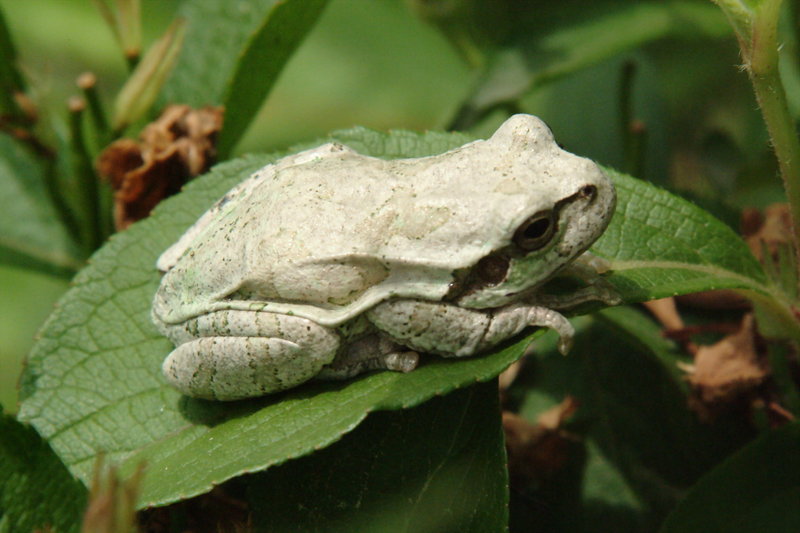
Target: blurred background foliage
[(652, 88), (669, 105)]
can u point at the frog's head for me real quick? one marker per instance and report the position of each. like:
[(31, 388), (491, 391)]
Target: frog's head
[(562, 204)]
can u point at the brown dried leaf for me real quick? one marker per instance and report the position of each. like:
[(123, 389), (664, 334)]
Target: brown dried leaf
[(727, 371), (112, 501), (507, 376), (179, 145), (773, 228), (721, 299), (665, 311), (118, 159), (537, 452)]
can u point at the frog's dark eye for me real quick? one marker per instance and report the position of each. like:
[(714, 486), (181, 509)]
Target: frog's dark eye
[(536, 231)]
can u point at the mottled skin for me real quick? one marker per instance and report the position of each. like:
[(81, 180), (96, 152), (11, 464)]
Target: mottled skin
[(329, 263)]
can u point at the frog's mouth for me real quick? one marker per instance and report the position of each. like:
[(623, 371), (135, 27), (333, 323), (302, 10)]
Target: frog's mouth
[(540, 243)]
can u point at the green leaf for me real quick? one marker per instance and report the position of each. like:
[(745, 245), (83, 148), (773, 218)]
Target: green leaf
[(637, 411), (248, 47), (261, 433), (10, 76), (11, 80), (608, 501), (662, 245), (126, 23), (36, 489), (261, 63), (147, 79), (557, 38), (93, 381), (756, 489), (31, 235), (438, 467)]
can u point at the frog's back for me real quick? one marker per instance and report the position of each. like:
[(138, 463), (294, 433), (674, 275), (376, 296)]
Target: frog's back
[(338, 231)]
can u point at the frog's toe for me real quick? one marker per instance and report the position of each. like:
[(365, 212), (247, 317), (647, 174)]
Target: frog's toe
[(401, 361)]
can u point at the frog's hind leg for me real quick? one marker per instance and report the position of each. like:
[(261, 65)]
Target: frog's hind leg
[(452, 331), (229, 355), (372, 352)]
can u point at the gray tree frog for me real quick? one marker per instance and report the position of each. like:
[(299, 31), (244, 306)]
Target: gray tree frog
[(329, 263)]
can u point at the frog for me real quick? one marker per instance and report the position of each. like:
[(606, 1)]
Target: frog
[(328, 263)]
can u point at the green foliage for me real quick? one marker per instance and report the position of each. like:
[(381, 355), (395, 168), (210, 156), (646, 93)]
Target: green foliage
[(35, 488), (661, 245), (561, 38), (110, 304), (642, 447), (437, 467), (261, 63), (41, 242), (638, 83), (754, 489), (246, 48), (10, 79)]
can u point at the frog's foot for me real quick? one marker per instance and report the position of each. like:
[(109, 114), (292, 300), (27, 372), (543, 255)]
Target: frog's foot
[(600, 290), (373, 352), (510, 320)]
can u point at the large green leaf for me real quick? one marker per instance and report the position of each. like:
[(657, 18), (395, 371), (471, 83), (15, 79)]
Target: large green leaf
[(248, 44), (438, 467), (36, 490), (661, 245), (93, 381), (756, 489), (31, 234)]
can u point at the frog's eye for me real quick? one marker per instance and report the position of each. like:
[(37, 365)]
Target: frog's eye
[(536, 231)]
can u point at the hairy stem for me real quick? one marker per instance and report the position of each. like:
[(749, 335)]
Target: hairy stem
[(762, 66)]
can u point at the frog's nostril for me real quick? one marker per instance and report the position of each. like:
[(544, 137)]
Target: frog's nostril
[(588, 191)]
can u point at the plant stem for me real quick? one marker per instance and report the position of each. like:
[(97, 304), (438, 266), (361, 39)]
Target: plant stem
[(87, 82), (633, 131), (762, 66), (85, 178), (772, 99)]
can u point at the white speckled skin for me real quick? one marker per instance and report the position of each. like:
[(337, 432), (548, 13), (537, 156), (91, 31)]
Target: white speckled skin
[(328, 262)]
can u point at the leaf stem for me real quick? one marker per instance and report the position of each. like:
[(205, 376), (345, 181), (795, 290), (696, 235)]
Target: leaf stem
[(87, 82), (763, 69), (85, 178), (757, 31)]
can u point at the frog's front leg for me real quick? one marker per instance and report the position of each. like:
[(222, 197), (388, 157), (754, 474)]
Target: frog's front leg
[(229, 355), (589, 268), (452, 331)]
